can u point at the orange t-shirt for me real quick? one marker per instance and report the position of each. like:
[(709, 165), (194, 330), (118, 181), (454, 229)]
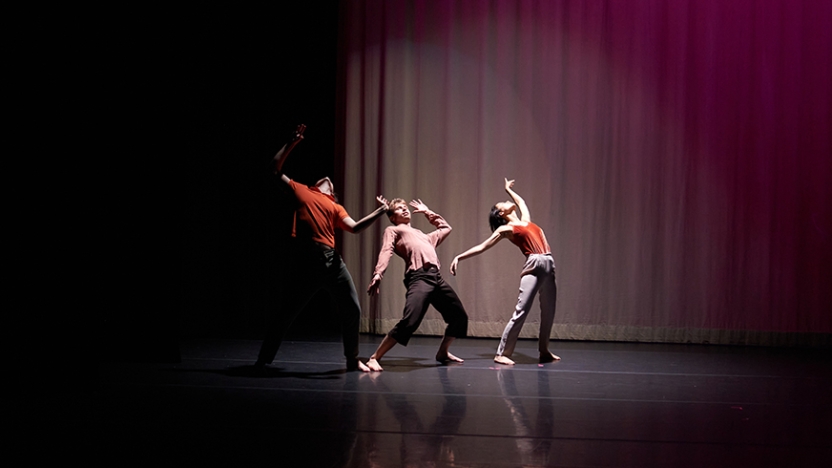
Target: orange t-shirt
[(530, 239), (317, 216)]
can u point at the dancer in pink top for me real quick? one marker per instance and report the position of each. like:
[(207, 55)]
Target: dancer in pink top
[(425, 285), (538, 273)]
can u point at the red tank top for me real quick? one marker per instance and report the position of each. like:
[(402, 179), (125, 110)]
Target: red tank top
[(530, 239)]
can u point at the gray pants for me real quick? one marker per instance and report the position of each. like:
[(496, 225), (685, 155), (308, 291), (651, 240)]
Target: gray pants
[(538, 275)]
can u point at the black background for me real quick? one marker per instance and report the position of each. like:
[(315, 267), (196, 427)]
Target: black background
[(195, 104)]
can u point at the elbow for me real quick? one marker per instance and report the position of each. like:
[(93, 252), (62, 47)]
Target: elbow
[(358, 227)]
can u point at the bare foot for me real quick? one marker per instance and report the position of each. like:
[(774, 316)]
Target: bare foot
[(373, 365), (357, 365), (548, 357), (447, 357), (503, 360)]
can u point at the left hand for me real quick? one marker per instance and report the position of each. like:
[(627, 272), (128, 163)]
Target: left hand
[(509, 184), (383, 202), (299, 133), (418, 206)]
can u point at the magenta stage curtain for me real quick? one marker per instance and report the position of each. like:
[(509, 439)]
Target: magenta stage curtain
[(676, 153)]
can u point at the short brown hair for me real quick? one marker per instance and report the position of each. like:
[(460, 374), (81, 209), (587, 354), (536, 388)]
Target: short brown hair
[(392, 203)]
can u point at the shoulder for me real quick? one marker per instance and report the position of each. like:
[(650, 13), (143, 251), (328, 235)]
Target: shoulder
[(392, 230), (342, 212), (297, 187), (505, 229)]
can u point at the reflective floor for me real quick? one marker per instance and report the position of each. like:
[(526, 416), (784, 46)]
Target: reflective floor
[(604, 405)]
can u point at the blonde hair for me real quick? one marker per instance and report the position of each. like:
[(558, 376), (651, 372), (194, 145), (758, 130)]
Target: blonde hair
[(391, 205)]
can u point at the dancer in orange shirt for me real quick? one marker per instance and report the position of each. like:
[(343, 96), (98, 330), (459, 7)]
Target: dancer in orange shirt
[(318, 265)]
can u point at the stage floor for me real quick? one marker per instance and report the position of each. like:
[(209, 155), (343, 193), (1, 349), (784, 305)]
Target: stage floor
[(603, 405)]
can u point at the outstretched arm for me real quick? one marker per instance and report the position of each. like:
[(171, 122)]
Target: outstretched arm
[(518, 200), (495, 237), (350, 225), (281, 155)]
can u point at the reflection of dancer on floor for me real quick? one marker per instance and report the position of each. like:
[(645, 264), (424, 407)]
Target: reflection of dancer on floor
[(421, 444), (534, 442), (425, 285), (317, 265), (538, 273)]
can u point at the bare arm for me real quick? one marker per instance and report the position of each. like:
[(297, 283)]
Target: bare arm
[(281, 155), (518, 200), (353, 226), (498, 235)]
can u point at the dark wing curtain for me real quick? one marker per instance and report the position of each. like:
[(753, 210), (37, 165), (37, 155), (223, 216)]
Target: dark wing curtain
[(676, 153)]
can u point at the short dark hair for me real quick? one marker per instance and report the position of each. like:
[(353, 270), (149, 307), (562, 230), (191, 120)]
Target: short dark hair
[(495, 220)]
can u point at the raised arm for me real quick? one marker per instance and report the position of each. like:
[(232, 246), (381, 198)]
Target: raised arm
[(350, 225), (518, 200), (442, 226), (281, 155), (498, 235)]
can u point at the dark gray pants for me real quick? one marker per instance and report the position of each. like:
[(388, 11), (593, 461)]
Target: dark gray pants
[(316, 269), (425, 287)]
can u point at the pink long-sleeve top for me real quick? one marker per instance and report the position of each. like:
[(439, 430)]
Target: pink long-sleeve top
[(414, 246)]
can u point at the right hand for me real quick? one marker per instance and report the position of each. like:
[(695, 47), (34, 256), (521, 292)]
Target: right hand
[(509, 184), (375, 285), (454, 265), (299, 133)]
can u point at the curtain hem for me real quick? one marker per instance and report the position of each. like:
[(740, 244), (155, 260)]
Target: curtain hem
[(580, 332)]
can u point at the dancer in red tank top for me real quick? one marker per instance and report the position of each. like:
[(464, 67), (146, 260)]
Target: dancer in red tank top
[(538, 274)]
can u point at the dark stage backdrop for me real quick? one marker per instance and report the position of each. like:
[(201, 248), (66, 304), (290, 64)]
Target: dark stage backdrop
[(244, 80), (677, 154)]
